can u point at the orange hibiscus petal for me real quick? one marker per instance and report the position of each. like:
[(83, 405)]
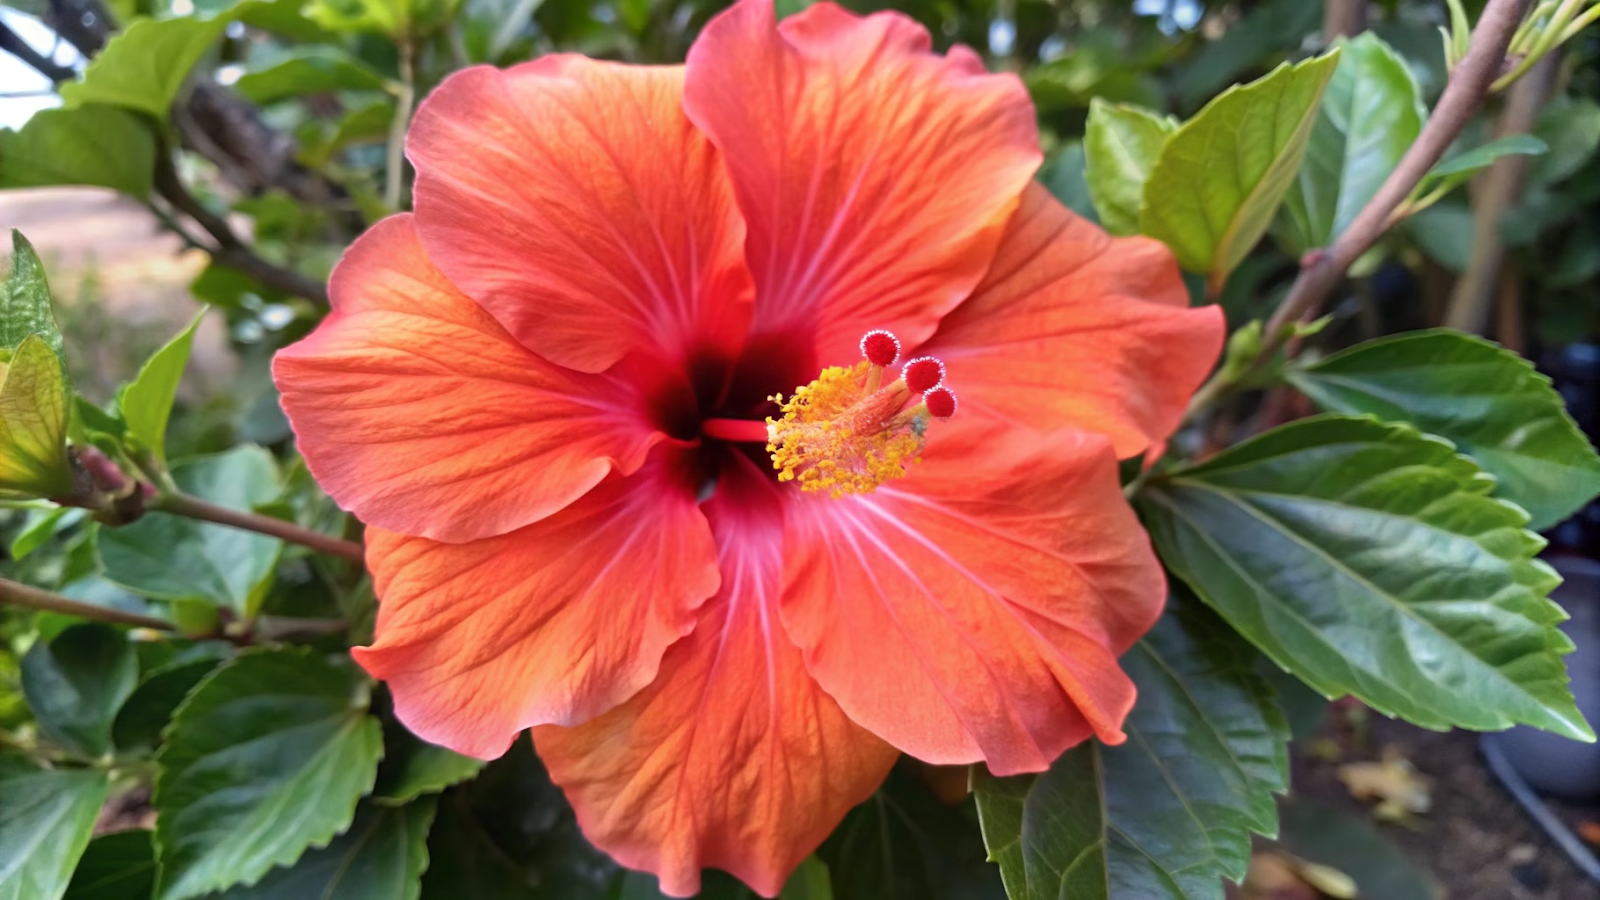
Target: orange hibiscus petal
[(1074, 328), (733, 758), (574, 200), (875, 176), (556, 622), (418, 413), (963, 616)]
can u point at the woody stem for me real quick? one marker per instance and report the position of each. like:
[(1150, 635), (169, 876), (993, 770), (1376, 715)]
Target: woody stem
[(747, 431), (180, 504)]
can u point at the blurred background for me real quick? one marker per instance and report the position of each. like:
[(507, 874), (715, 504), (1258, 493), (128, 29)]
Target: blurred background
[(283, 143)]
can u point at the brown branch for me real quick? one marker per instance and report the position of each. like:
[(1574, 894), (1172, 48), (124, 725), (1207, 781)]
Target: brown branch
[(16, 594), (180, 504), (1343, 18), (12, 43)]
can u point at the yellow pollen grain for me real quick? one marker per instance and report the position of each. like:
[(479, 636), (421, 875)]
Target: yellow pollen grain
[(835, 436)]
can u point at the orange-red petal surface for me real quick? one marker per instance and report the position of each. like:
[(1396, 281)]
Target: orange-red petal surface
[(574, 200), (875, 177), (976, 609), (1074, 328), (733, 758), (418, 413), (556, 622)]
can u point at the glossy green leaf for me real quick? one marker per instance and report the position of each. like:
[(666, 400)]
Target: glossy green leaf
[(96, 145), (45, 821), (146, 403), (1371, 114), (309, 70), (1369, 559), (25, 304), (77, 682), (159, 694), (380, 857), (1120, 147), (266, 758), (1221, 176), (119, 866), (1490, 402), (143, 67), (33, 423), (413, 767), (1169, 813), (42, 525), (172, 557), (1459, 169)]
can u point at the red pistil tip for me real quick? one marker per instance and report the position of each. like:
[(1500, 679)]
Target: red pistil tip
[(923, 374), (880, 347), (941, 402)]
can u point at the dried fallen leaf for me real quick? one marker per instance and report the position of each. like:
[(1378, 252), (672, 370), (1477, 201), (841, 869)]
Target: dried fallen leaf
[(1399, 789), (1275, 875), (1590, 832)]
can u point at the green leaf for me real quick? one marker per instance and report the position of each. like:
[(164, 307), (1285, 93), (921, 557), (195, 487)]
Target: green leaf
[(42, 525), (151, 705), (267, 757), (1488, 401), (146, 403), (1459, 169), (1120, 148), (1371, 114), (120, 866), (1063, 176), (45, 821), (33, 423), (25, 306), (143, 67), (1169, 813), (173, 557), (1218, 181), (309, 70), (1369, 559), (76, 683), (413, 767), (380, 857), (94, 145), (1570, 126)]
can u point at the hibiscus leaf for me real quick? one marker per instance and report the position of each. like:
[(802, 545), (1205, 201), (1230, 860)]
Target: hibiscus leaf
[(1120, 147), (1459, 169), (33, 423), (146, 403), (1169, 813), (77, 681), (94, 145), (381, 856), (25, 303), (413, 767), (119, 866), (176, 558), (1369, 559), (309, 70), (1371, 114), (268, 733), (143, 66), (1490, 402), (45, 822), (1220, 177)]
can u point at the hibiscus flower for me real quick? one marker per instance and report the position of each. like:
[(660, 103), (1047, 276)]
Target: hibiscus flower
[(630, 482)]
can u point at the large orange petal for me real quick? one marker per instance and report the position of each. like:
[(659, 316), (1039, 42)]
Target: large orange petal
[(975, 609), (556, 622), (875, 176), (733, 758), (574, 200), (1074, 328), (418, 413)]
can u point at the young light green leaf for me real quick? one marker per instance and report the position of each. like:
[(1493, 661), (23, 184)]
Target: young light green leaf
[(309, 70), (267, 757), (1459, 169), (33, 423), (117, 866), (96, 145), (147, 402), (1371, 114), (41, 526), (172, 557), (1488, 401), (45, 821), (25, 305), (143, 66), (1369, 559), (1120, 148), (76, 683), (1218, 181), (1168, 814), (380, 857)]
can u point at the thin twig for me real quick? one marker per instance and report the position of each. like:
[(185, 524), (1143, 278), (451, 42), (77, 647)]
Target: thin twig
[(181, 504), (12, 43), (16, 594), (395, 164)]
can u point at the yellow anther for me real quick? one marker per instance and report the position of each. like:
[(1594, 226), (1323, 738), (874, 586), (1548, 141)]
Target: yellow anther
[(841, 435)]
